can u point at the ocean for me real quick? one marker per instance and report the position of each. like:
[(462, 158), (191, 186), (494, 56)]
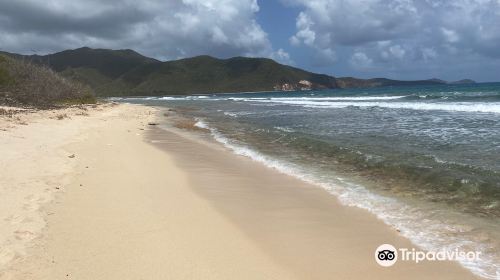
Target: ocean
[(424, 159)]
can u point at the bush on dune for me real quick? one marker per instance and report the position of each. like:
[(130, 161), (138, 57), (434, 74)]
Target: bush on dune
[(23, 83)]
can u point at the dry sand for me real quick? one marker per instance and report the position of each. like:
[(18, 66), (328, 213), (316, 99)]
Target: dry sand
[(34, 167), (139, 202)]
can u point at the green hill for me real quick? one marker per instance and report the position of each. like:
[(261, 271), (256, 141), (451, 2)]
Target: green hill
[(126, 72), (205, 74), (110, 63)]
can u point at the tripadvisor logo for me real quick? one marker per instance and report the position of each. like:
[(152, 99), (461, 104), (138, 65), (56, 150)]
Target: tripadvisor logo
[(387, 255)]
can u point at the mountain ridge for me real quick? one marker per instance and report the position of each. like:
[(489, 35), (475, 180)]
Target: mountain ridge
[(126, 72)]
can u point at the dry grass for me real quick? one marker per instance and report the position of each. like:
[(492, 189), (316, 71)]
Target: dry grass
[(23, 83), (7, 113), (10, 112)]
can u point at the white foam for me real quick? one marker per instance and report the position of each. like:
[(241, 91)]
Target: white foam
[(192, 97), (346, 98), (199, 123), (419, 225), (285, 129), (282, 99), (493, 107), (230, 114), (131, 98)]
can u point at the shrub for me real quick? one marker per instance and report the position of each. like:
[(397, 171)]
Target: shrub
[(4, 74), (23, 83)]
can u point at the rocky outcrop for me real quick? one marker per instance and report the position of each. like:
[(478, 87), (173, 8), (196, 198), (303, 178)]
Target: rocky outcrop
[(305, 85), (300, 85)]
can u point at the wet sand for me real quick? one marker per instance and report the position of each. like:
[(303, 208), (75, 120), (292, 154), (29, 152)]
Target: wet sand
[(301, 226), (140, 202)]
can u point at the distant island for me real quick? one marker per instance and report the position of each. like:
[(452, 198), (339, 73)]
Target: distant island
[(128, 73)]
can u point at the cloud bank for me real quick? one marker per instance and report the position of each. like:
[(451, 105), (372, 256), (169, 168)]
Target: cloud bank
[(163, 29), (395, 38), (400, 34)]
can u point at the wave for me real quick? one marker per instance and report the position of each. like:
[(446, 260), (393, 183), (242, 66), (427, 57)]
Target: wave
[(199, 123), (206, 97), (138, 98), (345, 98), (422, 226), (192, 97), (456, 106), (284, 129), (161, 98), (234, 115), (476, 96)]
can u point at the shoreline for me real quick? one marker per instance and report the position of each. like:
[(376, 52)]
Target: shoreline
[(305, 209), (145, 202)]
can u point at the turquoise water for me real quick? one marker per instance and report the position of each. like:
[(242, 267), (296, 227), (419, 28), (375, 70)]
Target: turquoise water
[(426, 160)]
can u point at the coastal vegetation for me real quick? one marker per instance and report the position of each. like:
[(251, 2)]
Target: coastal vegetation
[(26, 84), (128, 73)]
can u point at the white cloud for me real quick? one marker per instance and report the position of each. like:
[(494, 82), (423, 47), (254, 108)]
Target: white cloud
[(400, 32), (163, 29), (428, 54), (360, 60), (356, 21), (450, 35), (282, 57), (304, 34), (294, 41), (397, 51)]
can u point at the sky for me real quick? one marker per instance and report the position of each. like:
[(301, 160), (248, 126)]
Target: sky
[(398, 39)]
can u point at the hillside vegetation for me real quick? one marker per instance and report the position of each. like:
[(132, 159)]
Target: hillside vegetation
[(126, 72), (205, 74), (23, 83)]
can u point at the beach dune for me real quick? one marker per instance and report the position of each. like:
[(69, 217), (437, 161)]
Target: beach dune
[(127, 200)]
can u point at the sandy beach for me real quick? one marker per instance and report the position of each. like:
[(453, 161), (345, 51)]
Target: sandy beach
[(101, 194)]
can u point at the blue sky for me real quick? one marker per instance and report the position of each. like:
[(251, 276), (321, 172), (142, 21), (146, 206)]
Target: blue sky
[(399, 39), (278, 21)]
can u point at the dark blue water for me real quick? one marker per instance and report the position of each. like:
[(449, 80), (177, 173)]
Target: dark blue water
[(424, 159)]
